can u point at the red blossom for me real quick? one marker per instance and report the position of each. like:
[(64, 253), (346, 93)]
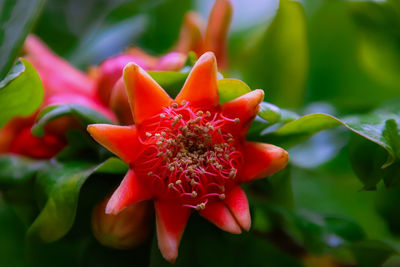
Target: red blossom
[(63, 84), (188, 154)]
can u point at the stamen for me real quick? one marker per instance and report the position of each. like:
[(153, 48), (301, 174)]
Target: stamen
[(190, 152)]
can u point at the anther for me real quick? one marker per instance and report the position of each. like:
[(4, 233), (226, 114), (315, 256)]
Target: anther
[(163, 133), (162, 116), (194, 194), (150, 173), (178, 181), (222, 196), (208, 113), (200, 113), (237, 121), (174, 105), (148, 134), (170, 185)]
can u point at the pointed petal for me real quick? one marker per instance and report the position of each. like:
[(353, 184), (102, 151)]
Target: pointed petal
[(171, 219), (130, 190), (190, 36), (145, 96), (244, 107), (201, 87), (120, 105), (262, 160), (219, 214), (217, 30), (120, 140), (56, 74), (237, 202)]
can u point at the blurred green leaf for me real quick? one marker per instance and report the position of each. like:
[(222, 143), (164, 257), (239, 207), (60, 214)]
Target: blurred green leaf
[(17, 169), (342, 43), (16, 20), (170, 81), (60, 186), (229, 89), (83, 114), (277, 60), (163, 28), (21, 92), (371, 253)]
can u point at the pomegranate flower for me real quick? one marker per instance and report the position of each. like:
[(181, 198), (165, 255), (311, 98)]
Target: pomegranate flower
[(188, 154), (63, 84), (194, 36)]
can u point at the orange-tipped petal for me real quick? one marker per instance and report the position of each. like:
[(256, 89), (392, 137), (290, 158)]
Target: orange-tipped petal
[(120, 140), (120, 105), (171, 219), (244, 107), (262, 160), (190, 36), (217, 30), (145, 96), (201, 87), (219, 214), (237, 202), (131, 190)]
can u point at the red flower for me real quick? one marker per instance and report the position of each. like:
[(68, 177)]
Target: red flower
[(188, 154), (194, 36), (63, 84)]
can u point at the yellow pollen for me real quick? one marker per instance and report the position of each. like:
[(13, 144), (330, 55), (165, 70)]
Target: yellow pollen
[(174, 105), (194, 194), (237, 121), (150, 173), (178, 182), (222, 196), (170, 185), (148, 134)]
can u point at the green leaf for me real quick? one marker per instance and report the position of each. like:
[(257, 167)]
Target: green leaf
[(277, 60), (229, 89), (84, 115), (371, 253), (14, 170), (21, 93), (60, 185), (16, 20), (170, 81)]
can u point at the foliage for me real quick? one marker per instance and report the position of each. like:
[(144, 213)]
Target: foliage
[(340, 208)]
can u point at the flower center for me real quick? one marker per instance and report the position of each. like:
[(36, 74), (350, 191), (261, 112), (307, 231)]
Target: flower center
[(188, 154)]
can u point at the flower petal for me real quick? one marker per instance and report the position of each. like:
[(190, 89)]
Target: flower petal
[(219, 214), (244, 107), (237, 202), (217, 30), (120, 140), (262, 160), (57, 75), (190, 36), (201, 87), (171, 219), (131, 190), (145, 96), (120, 105)]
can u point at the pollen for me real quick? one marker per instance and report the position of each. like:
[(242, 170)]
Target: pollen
[(189, 154)]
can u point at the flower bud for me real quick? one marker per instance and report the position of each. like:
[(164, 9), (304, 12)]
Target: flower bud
[(125, 230)]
